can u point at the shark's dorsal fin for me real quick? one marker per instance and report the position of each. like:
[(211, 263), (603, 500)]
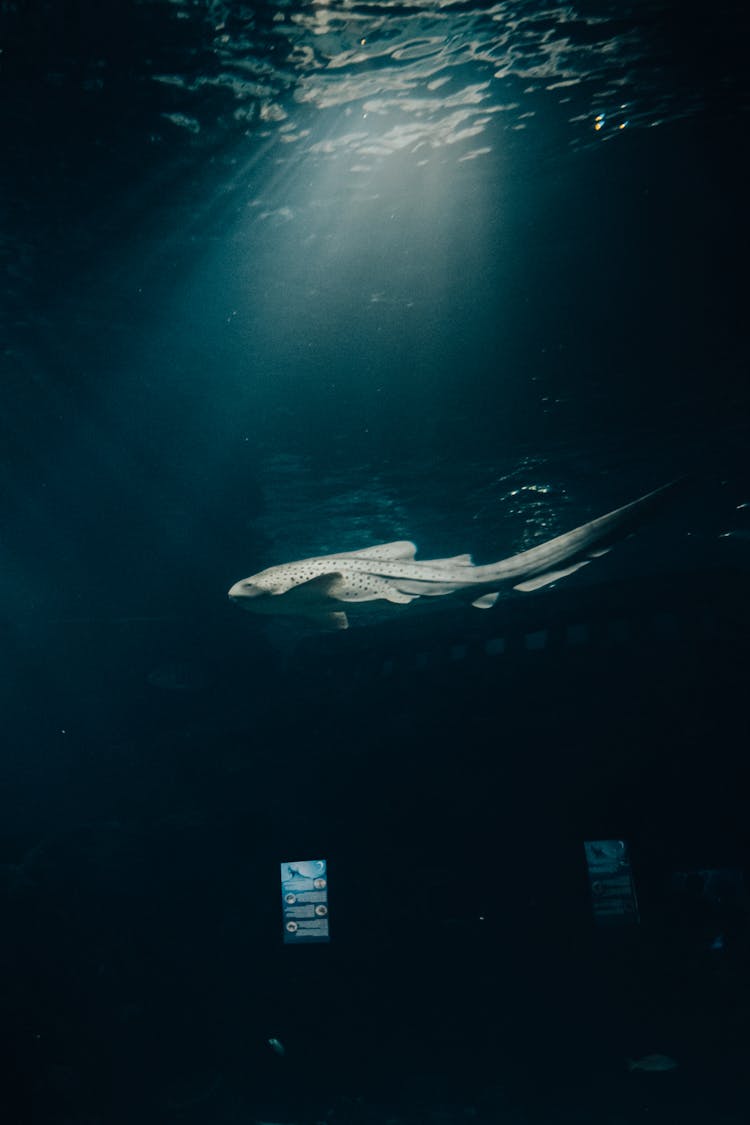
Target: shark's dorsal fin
[(454, 560), (399, 549)]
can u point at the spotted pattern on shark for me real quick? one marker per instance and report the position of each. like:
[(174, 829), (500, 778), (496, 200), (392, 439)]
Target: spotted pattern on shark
[(319, 588)]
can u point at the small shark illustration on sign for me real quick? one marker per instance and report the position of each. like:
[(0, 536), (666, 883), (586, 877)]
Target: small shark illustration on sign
[(316, 588)]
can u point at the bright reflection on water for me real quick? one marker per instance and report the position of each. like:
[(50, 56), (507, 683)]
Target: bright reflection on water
[(424, 75), (382, 234)]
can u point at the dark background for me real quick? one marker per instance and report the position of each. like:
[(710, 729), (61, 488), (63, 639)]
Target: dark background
[(477, 354)]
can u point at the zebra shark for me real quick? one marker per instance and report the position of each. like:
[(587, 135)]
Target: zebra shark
[(317, 588)]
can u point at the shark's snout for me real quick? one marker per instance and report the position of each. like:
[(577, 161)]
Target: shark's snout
[(244, 590)]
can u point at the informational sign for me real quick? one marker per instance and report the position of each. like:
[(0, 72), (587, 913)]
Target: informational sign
[(611, 882), (304, 901)]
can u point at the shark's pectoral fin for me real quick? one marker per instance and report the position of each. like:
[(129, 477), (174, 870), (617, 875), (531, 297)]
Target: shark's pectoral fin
[(337, 619), (312, 589), (310, 599), (550, 576), (486, 601)]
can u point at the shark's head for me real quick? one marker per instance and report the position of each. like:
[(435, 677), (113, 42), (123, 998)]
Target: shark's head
[(304, 586), (252, 593)]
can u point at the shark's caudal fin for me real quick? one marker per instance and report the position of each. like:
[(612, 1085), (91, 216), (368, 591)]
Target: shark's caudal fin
[(567, 553)]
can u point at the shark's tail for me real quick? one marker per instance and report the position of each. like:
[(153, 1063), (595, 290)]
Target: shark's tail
[(566, 553)]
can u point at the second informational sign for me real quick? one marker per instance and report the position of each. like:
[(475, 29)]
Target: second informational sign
[(611, 882), (304, 901)]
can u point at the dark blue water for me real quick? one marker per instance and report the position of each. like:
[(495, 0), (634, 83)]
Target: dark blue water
[(284, 280)]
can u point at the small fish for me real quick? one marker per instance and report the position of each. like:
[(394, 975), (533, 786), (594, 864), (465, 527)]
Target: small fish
[(652, 1064), (277, 1046), (320, 588)]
